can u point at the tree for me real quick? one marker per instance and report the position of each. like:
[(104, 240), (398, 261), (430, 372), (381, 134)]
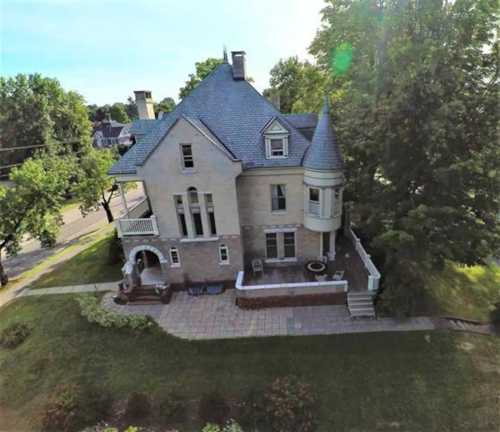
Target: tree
[(131, 109), (95, 187), (203, 69), (36, 111), (119, 113), (299, 85), (32, 205), (416, 87), (166, 105)]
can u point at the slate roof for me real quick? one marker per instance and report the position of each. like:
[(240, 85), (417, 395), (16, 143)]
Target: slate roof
[(142, 127), (234, 113), (324, 153), (303, 120), (109, 129)]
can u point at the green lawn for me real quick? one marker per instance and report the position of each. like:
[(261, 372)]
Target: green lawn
[(420, 381), (89, 266), (469, 292)]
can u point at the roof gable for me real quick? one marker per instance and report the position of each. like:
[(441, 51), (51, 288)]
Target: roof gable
[(234, 112)]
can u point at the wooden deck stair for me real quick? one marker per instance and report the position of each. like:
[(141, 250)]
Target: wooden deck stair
[(360, 304)]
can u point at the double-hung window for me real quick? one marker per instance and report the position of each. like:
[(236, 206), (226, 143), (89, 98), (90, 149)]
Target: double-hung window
[(314, 204), (271, 245), (187, 156), (278, 197), (289, 244)]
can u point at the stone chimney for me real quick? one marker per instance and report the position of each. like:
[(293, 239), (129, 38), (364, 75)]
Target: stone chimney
[(239, 66), (145, 106)]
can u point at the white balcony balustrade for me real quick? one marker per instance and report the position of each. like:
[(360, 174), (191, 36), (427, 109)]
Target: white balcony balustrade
[(137, 227)]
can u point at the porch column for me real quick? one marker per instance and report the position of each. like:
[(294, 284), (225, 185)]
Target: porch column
[(204, 215), (333, 236), (124, 201), (187, 215)]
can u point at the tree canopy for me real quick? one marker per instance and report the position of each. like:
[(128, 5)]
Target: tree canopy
[(32, 205), (299, 85), (415, 92), (203, 69), (37, 111)]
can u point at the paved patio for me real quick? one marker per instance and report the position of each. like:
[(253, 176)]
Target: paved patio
[(217, 317)]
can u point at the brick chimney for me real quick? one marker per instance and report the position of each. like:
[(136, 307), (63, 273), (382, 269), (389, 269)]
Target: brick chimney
[(145, 106), (239, 66)]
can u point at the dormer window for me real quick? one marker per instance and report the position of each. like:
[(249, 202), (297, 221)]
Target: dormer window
[(276, 140)]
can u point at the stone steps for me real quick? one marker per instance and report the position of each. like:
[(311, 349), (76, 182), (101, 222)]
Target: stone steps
[(360, 304), (459, 324)]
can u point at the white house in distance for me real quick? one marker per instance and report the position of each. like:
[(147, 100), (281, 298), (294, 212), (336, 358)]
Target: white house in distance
[(242, 196)]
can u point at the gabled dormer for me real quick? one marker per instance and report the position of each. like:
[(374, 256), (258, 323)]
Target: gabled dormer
[(276, 140)]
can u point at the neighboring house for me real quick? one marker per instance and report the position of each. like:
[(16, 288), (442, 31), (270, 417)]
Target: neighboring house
[(109, 132), (233, 184)]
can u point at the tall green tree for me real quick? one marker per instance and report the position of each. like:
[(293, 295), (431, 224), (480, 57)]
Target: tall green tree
[(299, 85), (95, 188), (118, 113), (416, 91), (203, 69), (166, 105), (32, 204), (37, 111)]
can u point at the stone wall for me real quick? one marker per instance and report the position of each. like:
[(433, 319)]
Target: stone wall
[(199, 260)]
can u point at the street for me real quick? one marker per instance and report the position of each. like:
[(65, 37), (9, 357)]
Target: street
[(75, 226)]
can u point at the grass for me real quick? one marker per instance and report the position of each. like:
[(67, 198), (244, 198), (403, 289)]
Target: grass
[(469, 292), (89, 266), (416, 381)]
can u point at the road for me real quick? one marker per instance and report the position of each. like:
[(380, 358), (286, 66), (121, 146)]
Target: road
[(75, 226)]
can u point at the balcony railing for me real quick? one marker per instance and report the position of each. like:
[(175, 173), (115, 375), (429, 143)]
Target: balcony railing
[(137, 227), (314, 208)]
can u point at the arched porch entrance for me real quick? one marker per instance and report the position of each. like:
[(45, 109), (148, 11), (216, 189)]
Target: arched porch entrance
[(146, 266)]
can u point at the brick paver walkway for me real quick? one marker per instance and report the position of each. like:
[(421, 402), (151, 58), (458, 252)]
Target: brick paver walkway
[(217, 317)]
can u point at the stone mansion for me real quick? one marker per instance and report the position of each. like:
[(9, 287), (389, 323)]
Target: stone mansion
[(229, 181)]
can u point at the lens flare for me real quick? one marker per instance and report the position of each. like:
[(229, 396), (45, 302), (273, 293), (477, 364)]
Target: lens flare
[(341, 58)]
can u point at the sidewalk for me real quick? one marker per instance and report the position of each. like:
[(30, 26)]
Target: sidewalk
[(72, 289)]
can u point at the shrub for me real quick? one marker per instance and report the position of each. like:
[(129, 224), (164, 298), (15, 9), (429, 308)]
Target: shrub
[(138, 406), (289, 405), (94, 313), (171, 407), (231, 426), (72, 407), (14, 335), (115, 251), (213, 408)]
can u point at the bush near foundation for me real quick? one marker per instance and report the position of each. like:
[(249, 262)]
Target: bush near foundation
[(14, 335)]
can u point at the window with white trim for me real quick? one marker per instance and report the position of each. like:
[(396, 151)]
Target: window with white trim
[(278, 197), (289, 244), (223, 254), (314, 204), (271, 245), (174, 257), (187, 156)]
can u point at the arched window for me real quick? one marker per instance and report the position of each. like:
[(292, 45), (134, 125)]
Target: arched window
[(193, 195), (194, 206)]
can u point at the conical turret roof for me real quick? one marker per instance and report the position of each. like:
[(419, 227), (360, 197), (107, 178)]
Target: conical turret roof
[(324, 153)]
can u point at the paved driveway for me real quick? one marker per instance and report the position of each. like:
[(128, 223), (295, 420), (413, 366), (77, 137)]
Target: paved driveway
[(217, 317)]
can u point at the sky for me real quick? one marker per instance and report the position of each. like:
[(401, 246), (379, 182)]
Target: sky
[(106, 49)]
